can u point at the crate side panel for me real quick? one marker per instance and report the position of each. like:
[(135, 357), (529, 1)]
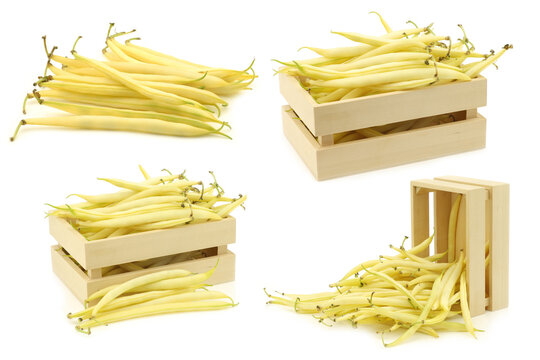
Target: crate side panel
[(398, 106), (151, 244), (499, 250), (401, 148), (419, 218)]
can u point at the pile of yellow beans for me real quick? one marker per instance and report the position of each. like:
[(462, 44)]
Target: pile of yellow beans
[(403, 59), (135, 88), (404, 292), (163, 292), (156, 203)]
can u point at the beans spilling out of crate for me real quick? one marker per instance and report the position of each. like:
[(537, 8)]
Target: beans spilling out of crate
[(404, 59), (135, 88), (162, 292), (402, 292), (156, 203)]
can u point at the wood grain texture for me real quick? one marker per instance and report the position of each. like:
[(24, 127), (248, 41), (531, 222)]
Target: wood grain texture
[(400, 148), (141, 246), (475, 214), (427, 185), (327, 162), (499, 248), (419, 218), (381, 109)]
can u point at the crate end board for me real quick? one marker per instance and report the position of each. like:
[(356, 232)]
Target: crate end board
[(381, 109), (300, 138), (82, 286), (144, 245), (69, 238), (69, 273), (326, 162), (482, 205)]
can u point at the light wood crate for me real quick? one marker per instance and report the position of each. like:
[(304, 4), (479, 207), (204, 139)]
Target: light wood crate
[(79, 262), (483, 217), (310, 127)]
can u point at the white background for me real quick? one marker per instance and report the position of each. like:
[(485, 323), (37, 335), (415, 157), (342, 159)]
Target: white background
[(297, 235)]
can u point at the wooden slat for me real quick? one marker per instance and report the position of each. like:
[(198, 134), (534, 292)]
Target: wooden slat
[(381, 109), (471, 181), (419, 218), (400, 148), (499, 249), (428, 185), (476, 227), (141, 246)]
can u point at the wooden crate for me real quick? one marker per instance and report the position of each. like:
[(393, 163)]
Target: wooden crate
[(310, 127), (79, 262), (483, 218)]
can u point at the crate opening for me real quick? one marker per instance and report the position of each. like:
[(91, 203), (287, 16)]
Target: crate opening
[(389, 129), (441, 216), (459, 219), (148, 263), (398, 127)]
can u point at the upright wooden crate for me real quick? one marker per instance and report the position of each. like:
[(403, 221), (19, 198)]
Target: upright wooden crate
[(79, 262), (483, 218), (310, 127)]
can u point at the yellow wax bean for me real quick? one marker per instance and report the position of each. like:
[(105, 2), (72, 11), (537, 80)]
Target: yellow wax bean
[(104, 122), (132, 220), (392, 76)]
